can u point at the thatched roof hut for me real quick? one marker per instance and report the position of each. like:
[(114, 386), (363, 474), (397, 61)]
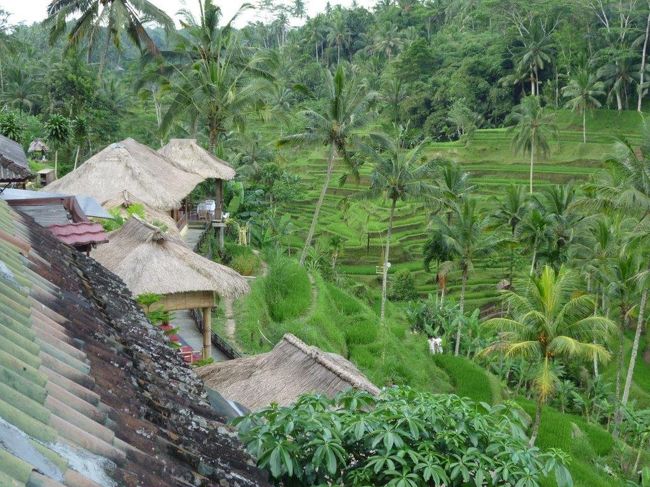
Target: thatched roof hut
[(13, 162), (151, 261), (37, 145), (133, 167), (191, 157), (280, 376)]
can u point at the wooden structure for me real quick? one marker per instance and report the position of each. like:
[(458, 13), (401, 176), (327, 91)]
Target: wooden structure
[(38, 148), (151, 261), (188, 155), (14, 169), (45, 177), (128, 167), (282, 375)]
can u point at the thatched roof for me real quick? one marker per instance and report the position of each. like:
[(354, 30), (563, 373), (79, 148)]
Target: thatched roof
[(133, 167), (151, 215), (13, 161), (37, 145), (150, 261), (191, 157), (280, 376)]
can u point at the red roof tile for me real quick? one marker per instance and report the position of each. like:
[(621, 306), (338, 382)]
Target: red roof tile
[(81, 233)]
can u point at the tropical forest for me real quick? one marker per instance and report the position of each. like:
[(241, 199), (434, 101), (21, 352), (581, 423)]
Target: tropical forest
[(451, 195)]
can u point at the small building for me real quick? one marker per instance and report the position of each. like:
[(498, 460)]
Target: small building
[(63, 215), (14, 169), (131, 167), (45, 177), (152, 261), (90, 393), (189, 156), (282, 375), (38, 149)]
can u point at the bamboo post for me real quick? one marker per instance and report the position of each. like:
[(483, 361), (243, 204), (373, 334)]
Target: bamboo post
[(207, 333)]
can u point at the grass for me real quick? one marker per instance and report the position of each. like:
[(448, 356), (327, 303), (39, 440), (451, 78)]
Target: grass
[(335, 322), (588, 445), (470, 379)]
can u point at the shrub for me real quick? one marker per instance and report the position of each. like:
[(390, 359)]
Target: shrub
[(287, 290), (403, 287), (401, 438)]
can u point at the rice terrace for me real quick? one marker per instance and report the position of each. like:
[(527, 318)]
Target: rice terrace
[(396, 243)]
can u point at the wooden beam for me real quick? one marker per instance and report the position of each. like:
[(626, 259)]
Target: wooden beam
[(207, 333), (193, 300)]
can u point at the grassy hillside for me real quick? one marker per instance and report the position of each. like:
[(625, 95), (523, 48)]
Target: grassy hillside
[(287, 300)]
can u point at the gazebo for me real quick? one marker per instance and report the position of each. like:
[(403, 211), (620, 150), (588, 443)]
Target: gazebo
[(189, 156), (132, 167), (151, 261), (39, 148)]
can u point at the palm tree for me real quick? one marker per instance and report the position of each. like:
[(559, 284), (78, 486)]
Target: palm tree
[(398, 175), (339, 34), (58, 133), (79, 130), (618, 74), (118, 16), (511, 211), (532, 127), (640, 246), (533, 232), (334, 128), (550, 322), (453, 187), (210, 72), (466, 240), (10, 126), (582, 92), (535, 54)]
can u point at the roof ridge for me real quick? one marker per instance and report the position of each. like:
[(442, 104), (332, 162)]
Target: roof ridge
[(321, 357)]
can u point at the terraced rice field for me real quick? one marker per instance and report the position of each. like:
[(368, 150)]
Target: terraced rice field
[(492, 165)]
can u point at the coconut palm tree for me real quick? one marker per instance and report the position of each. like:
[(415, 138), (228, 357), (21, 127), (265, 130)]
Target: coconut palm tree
[(397, 175), (58, 133), (116, 16), (532, 128), (338, 34), (533, 232), (466, 240), (453, 187), (535, 53), (582, 92), (547, 323), (511, 211), (334, 127)]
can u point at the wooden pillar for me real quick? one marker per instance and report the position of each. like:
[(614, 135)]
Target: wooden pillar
[(207, 333), (218, 199)]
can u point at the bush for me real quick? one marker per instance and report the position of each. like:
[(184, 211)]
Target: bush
[(287, 290), (403, 287), (357, 439)]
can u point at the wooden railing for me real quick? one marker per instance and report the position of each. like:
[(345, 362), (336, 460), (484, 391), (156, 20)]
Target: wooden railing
[(217, 341)]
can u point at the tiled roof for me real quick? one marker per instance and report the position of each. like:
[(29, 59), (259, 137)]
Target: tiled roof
[(82, 233), (13, 161), (90, 394), (46, 214)]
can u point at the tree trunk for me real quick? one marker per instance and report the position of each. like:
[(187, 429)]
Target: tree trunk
[(76, 156), (584, 126), (56, 164), (319, 204), (462, 308), (532, 161), (643, 63), (384, 278), (537, 421), (619, 101), (635, 347)]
